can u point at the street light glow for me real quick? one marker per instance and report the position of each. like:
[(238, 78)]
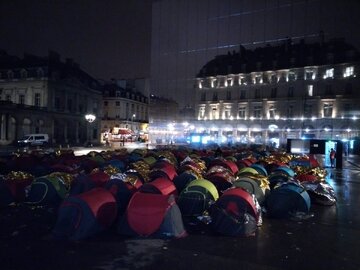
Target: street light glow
[(90, 117)]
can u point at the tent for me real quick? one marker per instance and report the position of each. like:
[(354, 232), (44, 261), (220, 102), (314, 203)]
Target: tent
[(197, 197), (81, 183), (16, 186), (99, 178), (82, 216), (152, 215), (159, 186), (259, 168), (278, 177), (251, 186), (320, 192), (285, 169), (286, 200), (221, 180), (165, 167), (183, 179), (47, 190), (235, 213), (122, 191), (246, 171)]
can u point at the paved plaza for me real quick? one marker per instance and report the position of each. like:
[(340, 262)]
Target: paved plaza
[(330, 239)]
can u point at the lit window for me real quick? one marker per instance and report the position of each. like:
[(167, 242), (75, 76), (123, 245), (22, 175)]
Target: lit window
[(214, 113), (227, 113), (200, 84), (242, 112), (328, 109), (258, 79), (230, 81), (310, 89), (273, 78), (257, 111), (291, 76), (309, 75), (242, 81), (272, 112), (202, 112), (329, 73), (349, 71)]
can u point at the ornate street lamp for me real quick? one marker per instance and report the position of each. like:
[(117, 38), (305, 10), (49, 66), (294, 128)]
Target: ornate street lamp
[(89, 118)]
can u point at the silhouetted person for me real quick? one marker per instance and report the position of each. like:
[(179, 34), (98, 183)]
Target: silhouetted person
[(332, 157)]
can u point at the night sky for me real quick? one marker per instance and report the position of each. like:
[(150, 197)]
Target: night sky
[(108, 38)]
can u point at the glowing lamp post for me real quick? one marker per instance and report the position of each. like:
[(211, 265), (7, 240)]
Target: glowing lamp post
[(132, 121), (90, 118)]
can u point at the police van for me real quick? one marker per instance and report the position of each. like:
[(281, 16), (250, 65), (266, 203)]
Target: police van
[(34, 139)]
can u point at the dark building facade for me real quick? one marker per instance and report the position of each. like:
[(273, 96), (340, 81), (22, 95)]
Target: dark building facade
[(47, 95)]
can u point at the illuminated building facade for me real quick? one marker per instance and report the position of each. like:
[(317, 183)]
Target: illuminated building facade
[(187, 34), (46, 95), (271, 93), (125, 112)]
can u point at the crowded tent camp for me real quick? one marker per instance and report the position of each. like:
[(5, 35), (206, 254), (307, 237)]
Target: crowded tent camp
[(164, 193)]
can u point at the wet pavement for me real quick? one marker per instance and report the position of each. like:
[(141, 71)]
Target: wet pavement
[(328, 240)]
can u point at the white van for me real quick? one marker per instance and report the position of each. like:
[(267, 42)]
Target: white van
[(34, 139)]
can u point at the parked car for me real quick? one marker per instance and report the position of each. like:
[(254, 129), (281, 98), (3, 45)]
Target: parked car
[(34, 140)]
